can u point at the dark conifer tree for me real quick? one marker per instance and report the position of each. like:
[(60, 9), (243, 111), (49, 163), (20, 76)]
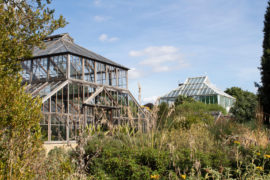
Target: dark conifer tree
[(264, 89)]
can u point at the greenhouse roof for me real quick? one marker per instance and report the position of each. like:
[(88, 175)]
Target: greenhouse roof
[(196, 86), (63, 43)]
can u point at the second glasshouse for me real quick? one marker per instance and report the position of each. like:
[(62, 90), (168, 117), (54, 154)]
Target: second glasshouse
[(201, 89)]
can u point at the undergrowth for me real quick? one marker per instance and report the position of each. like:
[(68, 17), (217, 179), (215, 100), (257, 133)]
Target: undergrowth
[(186, 143)]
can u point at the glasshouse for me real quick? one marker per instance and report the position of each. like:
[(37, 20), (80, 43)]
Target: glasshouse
[(78, 88), (202, 90)]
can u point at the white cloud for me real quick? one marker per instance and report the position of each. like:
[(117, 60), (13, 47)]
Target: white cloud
[(160, 58), (105, 38), (101, 18), (97, 2), (135, 53), (152, 99), (133, 73)]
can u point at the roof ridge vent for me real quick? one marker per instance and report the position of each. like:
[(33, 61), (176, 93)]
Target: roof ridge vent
[(64, 36)]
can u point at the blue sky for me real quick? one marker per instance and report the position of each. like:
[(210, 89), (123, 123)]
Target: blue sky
[(165, 42)]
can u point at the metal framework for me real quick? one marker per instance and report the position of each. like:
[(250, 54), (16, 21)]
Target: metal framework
[(78, 88)]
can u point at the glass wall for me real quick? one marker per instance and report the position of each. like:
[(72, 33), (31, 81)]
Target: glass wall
[(55, 67), (75, 67), (111, 74), (122, 78), (44, 68), (65, 114), (26, 70), (40, 69), (55, 111), (101, 73), (226, 102), (211, 99), (89, 70)]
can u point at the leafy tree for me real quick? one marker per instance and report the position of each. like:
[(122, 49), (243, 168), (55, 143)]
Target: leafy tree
[(182, 99), (23, 24), (244, 108), (264, 89)]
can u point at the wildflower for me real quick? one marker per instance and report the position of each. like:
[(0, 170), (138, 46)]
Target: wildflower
[(183, 176), (259, 168), (236, 142), (258, 154), (267, 156), (156, 176)]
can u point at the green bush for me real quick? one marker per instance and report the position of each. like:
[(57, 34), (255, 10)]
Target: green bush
[(57, 165), (112, 157), (183, 99), (109, 158), (186, 113), (244, 109)]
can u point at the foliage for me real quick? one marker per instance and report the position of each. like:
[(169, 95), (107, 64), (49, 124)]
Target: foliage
[(111, 157), (182, 99), (20, 143), (23, 24), (57, 165), (193, 153), (186, 144), (204, 150), (190, 113), (186, 114), (264, 89), (162, 114), (244, 108)]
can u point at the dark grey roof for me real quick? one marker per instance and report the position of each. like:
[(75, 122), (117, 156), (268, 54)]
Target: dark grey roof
[(63, 43)]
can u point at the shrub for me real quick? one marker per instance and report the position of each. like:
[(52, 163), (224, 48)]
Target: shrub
[(107, 157), (57, 165), (186, 114), (183, 99), (244, 109)]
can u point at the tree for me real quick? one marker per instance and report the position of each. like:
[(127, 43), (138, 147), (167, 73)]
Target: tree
[(264, 88), (244, 109), (23, 25)]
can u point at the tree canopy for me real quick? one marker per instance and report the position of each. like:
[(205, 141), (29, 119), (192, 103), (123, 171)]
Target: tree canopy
[(23, 25), (244, 109), (264, 88)]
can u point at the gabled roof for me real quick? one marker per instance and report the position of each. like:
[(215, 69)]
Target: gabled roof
[(196, 86), (63, 43)]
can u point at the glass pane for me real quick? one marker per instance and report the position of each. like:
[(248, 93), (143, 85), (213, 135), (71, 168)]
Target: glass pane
[(26, 70), (89, 70), (40, 68), (58, 127), (75, 67), (57, 66)]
